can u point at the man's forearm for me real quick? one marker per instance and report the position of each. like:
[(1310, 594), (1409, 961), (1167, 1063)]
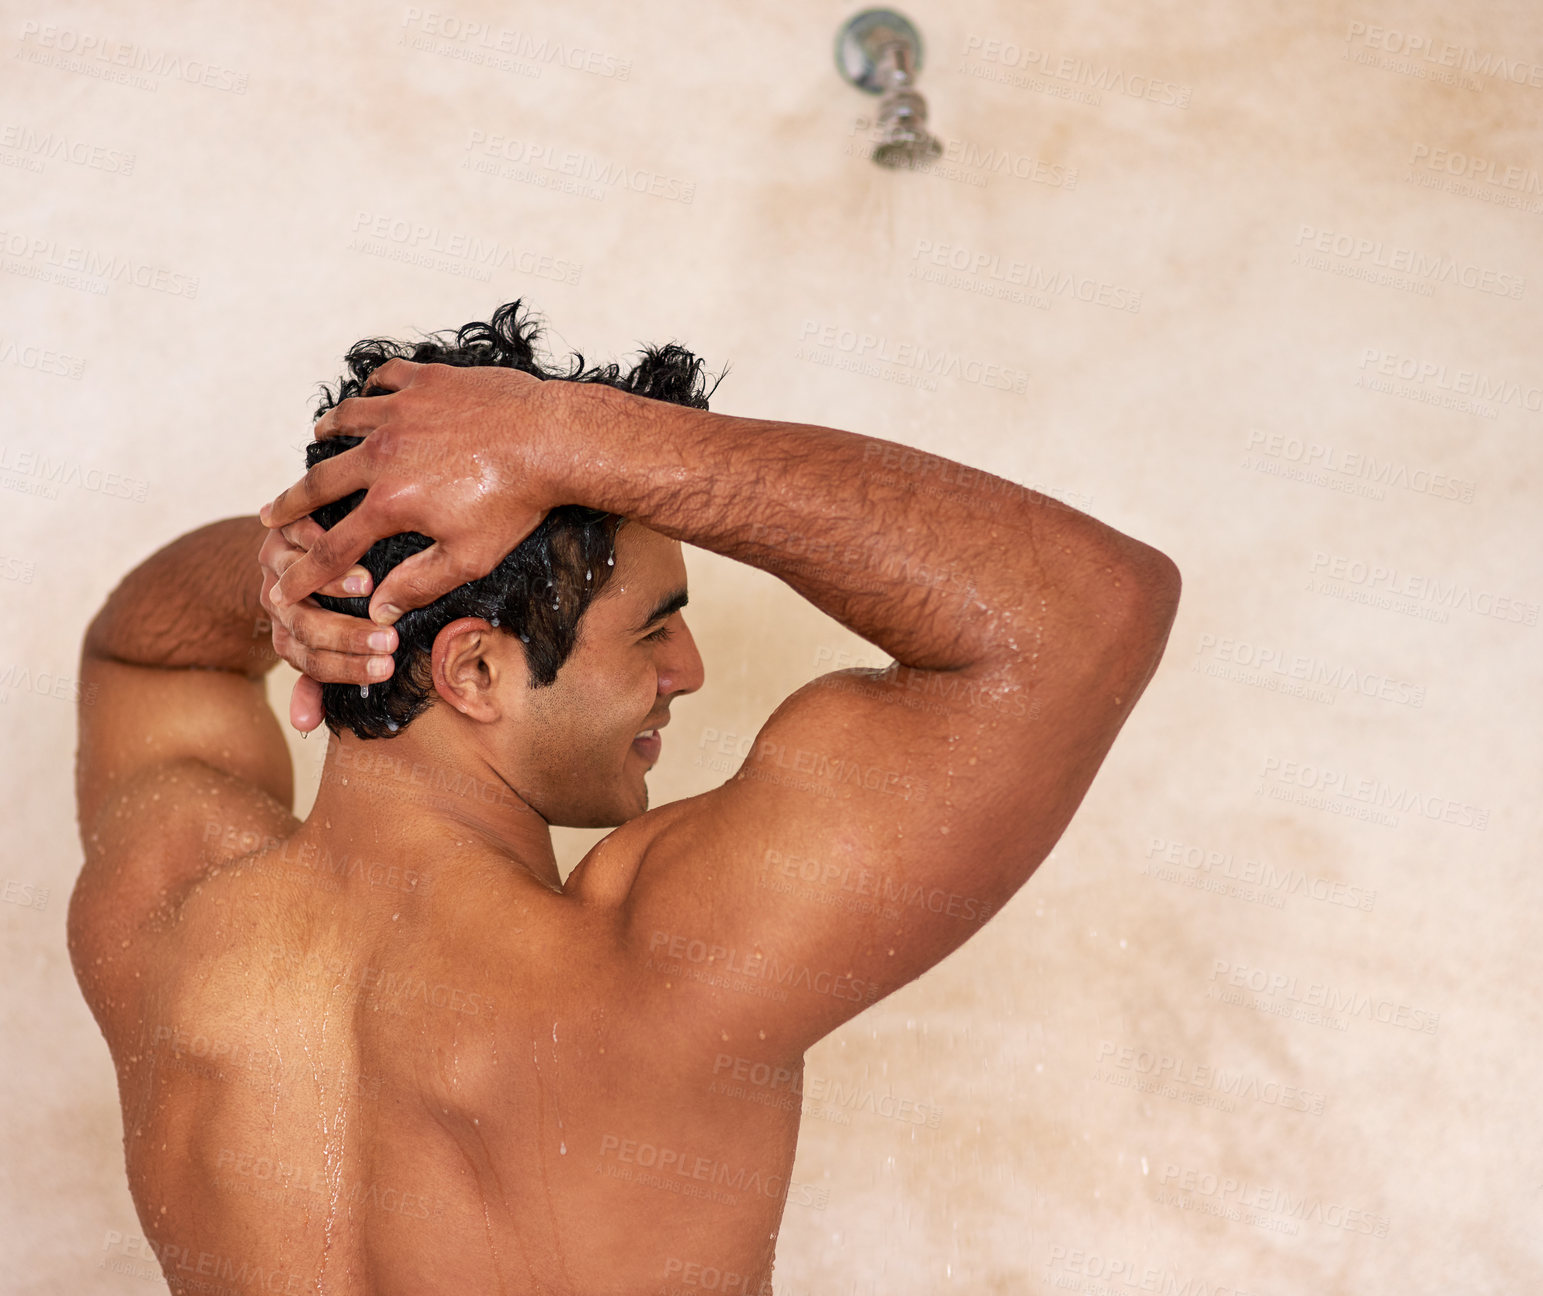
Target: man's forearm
[(192, 604), (938, 564)]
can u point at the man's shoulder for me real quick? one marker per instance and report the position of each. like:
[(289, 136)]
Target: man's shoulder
[(604, 877), (137, 912)]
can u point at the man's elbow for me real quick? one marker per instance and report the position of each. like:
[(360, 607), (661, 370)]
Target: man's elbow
[(1164, 584), (1148, 610)]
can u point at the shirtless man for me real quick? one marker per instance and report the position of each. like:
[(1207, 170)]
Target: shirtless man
[(387, 1050)]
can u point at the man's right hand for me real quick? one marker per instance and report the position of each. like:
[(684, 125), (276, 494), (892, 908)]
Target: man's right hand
[(325, 647), (452, 453)]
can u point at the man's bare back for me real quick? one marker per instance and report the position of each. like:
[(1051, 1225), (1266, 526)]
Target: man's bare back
[(387, 1050), (418, 1087)]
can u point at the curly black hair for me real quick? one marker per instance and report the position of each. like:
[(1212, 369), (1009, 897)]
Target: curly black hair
[(540, 590)]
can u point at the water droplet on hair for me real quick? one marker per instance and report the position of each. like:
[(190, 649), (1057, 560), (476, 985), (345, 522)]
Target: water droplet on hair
[(392, 725), (364, 690), (524, 638), (611, 561), (495, 620), (589, 573)]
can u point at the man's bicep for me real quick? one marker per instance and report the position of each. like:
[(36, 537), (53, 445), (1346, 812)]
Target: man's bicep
[(879, 820)]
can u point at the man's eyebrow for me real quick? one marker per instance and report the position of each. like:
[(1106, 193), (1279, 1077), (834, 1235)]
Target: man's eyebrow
[(668, 606)]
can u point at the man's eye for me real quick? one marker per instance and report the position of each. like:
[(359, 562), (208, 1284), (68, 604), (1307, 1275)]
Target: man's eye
[(661, 634)]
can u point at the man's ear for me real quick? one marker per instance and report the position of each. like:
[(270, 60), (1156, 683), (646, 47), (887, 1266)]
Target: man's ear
[(471, 665)]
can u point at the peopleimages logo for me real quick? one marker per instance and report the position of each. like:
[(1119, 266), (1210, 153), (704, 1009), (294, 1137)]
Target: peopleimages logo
[(70, 49), (1462, 382), (878, 349), (550, 163), (667, 948), (435, 248), (1320, 994), (1442, 54), (1338, 573), (41, 359), (1427, 267), (1308, 459), (1266, 660), (52, 145), (46, 258), (956, 266), (1073, 71), (1162, 1067), (1209, 864), (1472, 176), (1242, 1194), (503, 47), (1332, 789), (1133, 1276)]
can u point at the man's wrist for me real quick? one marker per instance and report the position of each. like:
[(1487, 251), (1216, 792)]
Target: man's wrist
[(591, 433), (564, 444)]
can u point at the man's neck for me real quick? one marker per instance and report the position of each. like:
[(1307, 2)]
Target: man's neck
[(407, 795)]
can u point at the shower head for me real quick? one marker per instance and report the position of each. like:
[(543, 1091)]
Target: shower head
[(880, 52)]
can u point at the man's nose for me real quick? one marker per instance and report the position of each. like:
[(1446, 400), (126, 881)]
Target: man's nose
[(682, 670)]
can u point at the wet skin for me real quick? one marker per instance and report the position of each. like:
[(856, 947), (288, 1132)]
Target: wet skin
[(386, 1051), (389, 1051)]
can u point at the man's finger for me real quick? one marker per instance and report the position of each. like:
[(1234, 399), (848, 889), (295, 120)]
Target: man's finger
[(331, 479), (331, 667), (419, 580), (305, 709), (299, 537), (316, 627), (303, 532), (332, 555), (355, 416), (356, 582), (394, 375), (360, 415)]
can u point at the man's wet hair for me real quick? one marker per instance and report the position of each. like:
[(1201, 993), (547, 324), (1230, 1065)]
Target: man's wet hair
[(541, 589)]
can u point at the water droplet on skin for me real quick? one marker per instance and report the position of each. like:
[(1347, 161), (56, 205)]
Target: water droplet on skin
[(562, 1149)]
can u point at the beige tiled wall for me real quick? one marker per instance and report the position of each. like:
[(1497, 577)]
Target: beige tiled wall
[(1267, 1021)]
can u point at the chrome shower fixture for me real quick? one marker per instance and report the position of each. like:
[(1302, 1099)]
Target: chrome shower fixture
[(879, 51)]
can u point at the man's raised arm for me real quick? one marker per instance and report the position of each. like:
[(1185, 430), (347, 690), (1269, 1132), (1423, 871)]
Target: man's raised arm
[(880, 816), (942, 566)]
